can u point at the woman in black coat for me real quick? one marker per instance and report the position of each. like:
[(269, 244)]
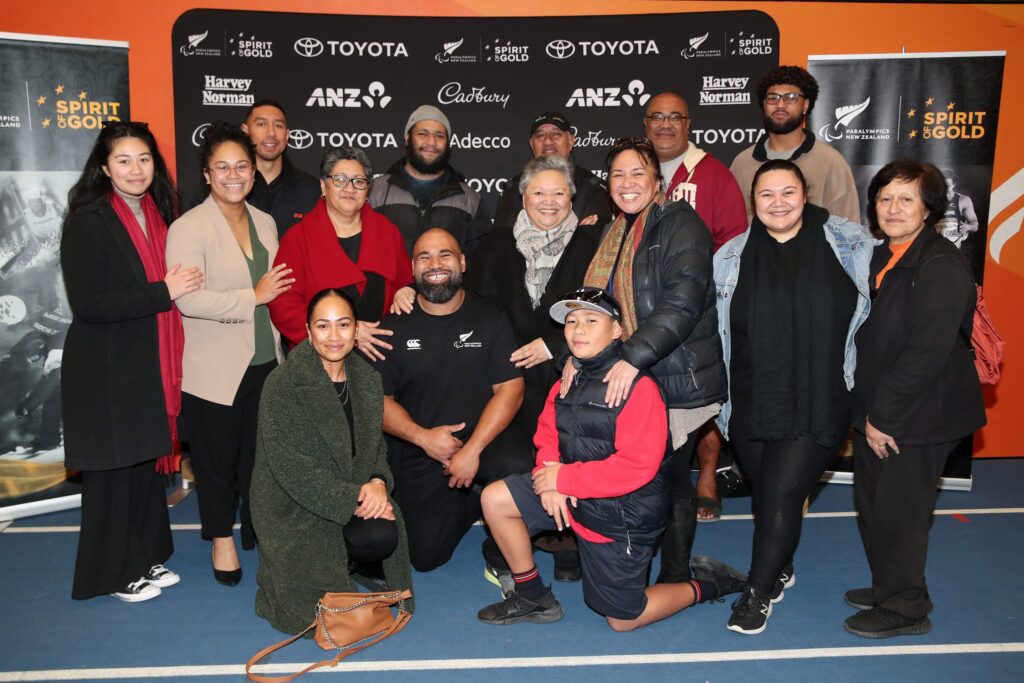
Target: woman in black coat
[(526, 268), (121, 375), (916, 393), (655, 259)]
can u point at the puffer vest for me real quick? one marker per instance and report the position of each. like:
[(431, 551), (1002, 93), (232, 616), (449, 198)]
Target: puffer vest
[(586, 432)]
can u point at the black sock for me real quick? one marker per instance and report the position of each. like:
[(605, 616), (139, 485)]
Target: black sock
[(529, 585), (703, 591)]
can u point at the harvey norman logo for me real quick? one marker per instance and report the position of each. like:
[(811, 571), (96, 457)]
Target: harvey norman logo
[(227, 92), (724, 90)]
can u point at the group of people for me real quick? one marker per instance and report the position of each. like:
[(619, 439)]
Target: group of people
[(364, 367)]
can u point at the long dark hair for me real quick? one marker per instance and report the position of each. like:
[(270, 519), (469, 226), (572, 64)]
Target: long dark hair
[(94, 184)]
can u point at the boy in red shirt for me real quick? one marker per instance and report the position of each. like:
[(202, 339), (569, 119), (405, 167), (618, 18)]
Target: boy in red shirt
[(603, 472)]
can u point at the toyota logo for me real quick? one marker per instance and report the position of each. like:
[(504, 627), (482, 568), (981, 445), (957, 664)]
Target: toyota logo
[(299, 139), (560, 49), (309, 47), (199, 134)]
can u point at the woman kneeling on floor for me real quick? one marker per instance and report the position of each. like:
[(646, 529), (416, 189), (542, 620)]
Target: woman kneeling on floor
[(320, 503), (611, 486)]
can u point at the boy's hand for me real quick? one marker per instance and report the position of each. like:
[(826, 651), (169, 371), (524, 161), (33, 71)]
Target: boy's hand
[(546, 478), (557, 506)]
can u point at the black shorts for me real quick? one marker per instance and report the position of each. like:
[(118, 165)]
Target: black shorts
[(614, 576)]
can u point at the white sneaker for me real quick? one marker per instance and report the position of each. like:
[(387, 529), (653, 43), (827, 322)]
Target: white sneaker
[(161, 577), (137, 591)]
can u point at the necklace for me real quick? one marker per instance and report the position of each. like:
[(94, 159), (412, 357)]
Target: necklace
[(342, 392)]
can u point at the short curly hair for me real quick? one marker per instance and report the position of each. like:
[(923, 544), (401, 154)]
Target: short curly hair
[(790, 75)]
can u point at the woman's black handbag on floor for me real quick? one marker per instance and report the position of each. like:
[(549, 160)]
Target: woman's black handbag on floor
[(348, 622)]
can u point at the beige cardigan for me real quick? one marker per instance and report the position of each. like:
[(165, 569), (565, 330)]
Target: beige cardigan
[(220, 336)]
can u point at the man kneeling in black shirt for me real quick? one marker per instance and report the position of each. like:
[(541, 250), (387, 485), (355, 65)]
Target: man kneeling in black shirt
[(450, 394)]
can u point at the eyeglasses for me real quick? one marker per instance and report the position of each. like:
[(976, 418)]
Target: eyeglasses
[(631, 143), (241, 168), (788, 98), (592, 295), (341, 180), (675, 118)]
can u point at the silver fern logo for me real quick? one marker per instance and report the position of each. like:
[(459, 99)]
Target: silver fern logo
[(845, 115)]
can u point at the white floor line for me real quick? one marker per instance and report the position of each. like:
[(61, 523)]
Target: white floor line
[(727, 518), (520, 662)]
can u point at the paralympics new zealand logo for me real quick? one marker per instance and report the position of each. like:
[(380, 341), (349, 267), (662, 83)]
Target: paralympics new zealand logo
[(845, 115), (463, 343)]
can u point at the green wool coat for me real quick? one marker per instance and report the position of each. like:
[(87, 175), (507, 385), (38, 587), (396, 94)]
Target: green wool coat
[(305, 485)]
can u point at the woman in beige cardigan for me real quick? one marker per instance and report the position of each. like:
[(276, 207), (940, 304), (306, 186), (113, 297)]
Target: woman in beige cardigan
[(230, 344)]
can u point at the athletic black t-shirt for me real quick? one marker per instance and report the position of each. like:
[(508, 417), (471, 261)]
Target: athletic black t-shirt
[(443, 366)]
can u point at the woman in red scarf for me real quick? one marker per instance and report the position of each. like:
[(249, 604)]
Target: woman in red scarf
[(121, 374), (344, 244)]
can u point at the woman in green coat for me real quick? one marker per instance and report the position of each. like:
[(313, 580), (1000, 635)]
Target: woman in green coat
[(320, 503)]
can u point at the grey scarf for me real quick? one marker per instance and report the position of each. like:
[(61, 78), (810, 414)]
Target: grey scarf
[(541, 249)]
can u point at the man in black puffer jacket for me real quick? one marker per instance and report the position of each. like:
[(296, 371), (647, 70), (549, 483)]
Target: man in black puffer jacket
[(602, 470)]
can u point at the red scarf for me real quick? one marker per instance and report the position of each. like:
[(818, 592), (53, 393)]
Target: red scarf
[(170, 333)]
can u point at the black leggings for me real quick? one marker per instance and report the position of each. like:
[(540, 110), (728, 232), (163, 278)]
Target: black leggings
[(782, 474), (370, 540)]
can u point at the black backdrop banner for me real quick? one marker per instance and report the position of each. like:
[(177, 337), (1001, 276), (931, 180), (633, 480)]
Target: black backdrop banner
[(55, 94), (942, 108), (354, 80)]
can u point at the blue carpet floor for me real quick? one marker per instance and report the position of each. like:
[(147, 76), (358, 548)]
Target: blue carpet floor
[(201, 631)]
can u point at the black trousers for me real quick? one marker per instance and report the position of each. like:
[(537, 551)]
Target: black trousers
[(437, 517), (895, 498), (125, 529), (222, 446), (677, 542), (369, 540), (782, 475)]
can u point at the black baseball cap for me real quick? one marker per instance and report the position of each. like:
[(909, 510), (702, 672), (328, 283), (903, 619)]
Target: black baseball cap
[(552, 117), (587, 298)]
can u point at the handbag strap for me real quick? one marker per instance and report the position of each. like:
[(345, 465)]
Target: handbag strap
[(397, 625)]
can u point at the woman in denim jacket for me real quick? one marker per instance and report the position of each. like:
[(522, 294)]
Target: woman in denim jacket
[(787, 321)]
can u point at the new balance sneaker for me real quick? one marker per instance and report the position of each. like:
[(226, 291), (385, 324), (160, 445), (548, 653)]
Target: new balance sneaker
[(137, 591), (881, 623), (860, 598), (161, 577), (750, 612), (502, 578), (726, 578), (516, 608), (787, 579)]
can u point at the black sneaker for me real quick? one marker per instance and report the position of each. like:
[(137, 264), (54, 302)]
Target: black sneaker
[(750, 612), (786, 579), (516, 608), (502, 578), (860, 598), (727, 579), (137, 591), (881, 623), (161, 577)]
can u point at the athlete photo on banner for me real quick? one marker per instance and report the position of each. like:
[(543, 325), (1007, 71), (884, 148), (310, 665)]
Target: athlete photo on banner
[(55, 94), (354, 80)]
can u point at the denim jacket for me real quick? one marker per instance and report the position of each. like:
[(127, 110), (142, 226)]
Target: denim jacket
[(852, 245)]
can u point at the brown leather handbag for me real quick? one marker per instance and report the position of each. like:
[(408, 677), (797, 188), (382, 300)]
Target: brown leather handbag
[(348, 622)]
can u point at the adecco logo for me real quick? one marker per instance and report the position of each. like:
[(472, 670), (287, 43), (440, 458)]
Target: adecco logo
[(560, 49), (199, 134), (309, 47), (299, 139)]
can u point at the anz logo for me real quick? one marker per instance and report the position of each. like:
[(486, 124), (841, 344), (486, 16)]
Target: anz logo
[(350, 97), (632, 95)]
